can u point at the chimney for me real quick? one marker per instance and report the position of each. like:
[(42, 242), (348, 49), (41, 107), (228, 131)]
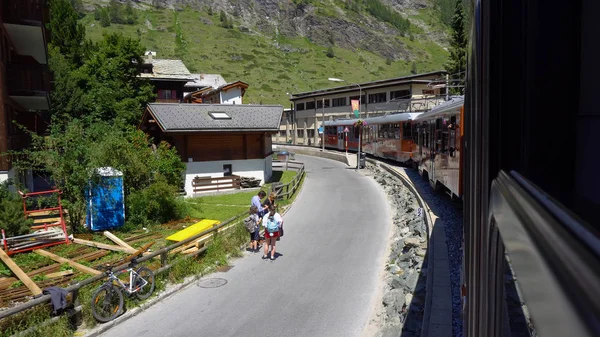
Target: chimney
[(150, 55)]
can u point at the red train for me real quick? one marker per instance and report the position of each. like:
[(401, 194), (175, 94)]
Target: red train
[(429, 141)]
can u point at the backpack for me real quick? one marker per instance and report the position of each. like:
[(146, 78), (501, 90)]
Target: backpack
[(272, 226), (249, 223)]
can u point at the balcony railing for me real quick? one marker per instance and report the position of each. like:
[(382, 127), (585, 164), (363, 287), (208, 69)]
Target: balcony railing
[(24, 11), (27, 80)]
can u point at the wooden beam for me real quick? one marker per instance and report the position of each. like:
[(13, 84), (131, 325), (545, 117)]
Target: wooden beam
[(20, 274), (72, 263), (104, 246), (60, 273), (116, 240)]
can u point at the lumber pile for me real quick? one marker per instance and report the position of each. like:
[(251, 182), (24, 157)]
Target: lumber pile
[(247, 182)]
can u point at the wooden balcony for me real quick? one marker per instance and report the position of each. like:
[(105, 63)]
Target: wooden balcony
[(24, 12), (24, 21), (28, 85)]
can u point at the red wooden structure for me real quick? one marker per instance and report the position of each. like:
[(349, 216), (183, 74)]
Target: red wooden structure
[(48, 224)]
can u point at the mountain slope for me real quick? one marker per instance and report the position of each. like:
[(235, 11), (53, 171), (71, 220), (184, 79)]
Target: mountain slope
[(281, 47)]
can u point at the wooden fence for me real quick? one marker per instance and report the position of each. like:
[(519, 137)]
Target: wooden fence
[(210, 184), (285, 191)]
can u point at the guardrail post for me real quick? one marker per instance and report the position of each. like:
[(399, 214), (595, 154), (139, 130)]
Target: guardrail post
[(163, 258)]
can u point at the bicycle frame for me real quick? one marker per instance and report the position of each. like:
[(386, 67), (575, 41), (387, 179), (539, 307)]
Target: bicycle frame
[(133, 276)]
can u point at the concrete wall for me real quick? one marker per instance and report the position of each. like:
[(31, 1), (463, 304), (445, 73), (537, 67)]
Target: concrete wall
[(253, 168), (231, 96), (310, 151)]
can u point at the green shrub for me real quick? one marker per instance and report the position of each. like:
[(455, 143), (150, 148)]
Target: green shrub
[(154, 204), (12, 219)]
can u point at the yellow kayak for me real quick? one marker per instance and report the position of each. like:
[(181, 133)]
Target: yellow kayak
[(194, 229)]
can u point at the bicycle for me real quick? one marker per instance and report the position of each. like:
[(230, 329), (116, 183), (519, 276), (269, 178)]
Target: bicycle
[(141, 283)]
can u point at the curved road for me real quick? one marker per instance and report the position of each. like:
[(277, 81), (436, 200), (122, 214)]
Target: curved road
[(323, 284)]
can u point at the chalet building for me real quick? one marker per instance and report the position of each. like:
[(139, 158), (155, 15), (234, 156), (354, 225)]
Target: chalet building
[(229, 93), (410, 93), (215, 140), (24, 79), (203, 81), (169, 77)]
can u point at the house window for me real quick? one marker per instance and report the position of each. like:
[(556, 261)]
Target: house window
[(338, 101), (227, 170), (310, 105), (167, 94), (310, 133), (299, 106), (378, 97), (320, 104), (301, 133), (400, 94)]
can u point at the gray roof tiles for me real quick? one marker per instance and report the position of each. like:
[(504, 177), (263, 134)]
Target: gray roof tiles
[(189, 117), (167, 69)]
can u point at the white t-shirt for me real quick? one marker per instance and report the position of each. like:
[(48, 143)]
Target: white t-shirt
[(276, 217)]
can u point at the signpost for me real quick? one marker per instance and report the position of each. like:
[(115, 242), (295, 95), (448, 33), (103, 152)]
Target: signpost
[(346, 137)]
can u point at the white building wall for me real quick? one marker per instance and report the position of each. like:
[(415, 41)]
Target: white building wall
[(252, 168), (268, 168), (231, 96)]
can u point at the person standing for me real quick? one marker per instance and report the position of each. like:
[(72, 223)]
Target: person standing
[(252, 225), (271, 222), (256, 201)]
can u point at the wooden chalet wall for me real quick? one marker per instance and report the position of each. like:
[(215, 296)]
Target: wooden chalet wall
[(214, 146)]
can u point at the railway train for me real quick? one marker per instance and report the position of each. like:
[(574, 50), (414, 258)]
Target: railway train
[(526, 142), (429, 141)]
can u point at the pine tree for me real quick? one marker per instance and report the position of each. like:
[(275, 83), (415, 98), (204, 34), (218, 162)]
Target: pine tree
[(67, 33), (457, 63)]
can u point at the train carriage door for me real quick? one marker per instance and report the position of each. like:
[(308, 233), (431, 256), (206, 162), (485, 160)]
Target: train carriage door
[(421, 133), (432, 149), (340, 137)]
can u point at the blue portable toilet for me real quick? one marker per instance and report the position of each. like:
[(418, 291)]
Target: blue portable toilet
[(106, 201)]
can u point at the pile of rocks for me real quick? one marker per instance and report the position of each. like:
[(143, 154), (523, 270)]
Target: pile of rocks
[(406, 271)]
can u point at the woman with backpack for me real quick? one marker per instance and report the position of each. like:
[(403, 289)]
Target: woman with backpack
[(251, 223), (272, 222)]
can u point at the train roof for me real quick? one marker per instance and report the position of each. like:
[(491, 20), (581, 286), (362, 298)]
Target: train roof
[(456, 102), (393, 118), (341, 122)]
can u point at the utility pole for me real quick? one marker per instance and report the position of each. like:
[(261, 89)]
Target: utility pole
[(323, 125), (447, 87)]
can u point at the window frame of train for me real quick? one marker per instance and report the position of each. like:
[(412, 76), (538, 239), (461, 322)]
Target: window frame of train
[(404, 125)]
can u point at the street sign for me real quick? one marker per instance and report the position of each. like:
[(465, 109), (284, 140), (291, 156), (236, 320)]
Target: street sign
[(356, 114), (346, 129), (320, 130)]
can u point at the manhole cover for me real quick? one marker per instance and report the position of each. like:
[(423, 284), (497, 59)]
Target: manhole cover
[(212, 282)]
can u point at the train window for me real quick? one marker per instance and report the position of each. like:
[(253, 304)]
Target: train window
[(407, 130), (452, 143)]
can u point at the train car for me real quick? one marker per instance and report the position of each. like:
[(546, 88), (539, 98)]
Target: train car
[(391, 136), (337, 138), (438, 150), (532, 168)]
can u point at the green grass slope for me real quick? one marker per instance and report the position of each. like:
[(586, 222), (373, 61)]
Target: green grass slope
[(270, 70)]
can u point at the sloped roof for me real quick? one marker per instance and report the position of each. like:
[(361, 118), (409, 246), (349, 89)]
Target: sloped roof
[(167, 69), (183, 117), (206, 80), (211, 90)]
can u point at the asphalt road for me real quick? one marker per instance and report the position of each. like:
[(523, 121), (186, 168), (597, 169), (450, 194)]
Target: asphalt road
[(323, 284)]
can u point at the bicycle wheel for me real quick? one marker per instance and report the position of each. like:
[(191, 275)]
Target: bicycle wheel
[(145, 290), (107, 303)]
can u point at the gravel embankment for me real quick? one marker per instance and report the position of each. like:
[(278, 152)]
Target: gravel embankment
[(406, 268), (441, 205), (405, 280)]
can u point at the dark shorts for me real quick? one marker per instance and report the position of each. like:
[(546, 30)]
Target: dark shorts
[(254, 236)]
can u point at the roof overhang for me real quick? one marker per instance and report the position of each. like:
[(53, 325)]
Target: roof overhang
[(32, 102), (28, 40), (354, 87)]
